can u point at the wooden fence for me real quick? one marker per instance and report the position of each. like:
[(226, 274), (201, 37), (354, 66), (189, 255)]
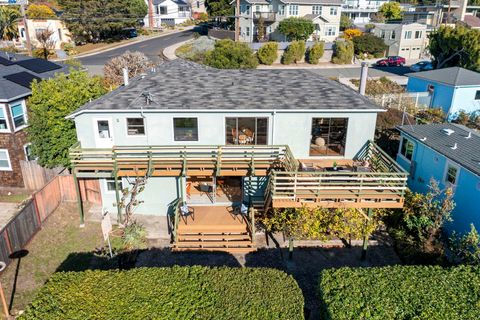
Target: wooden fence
[(25, 224), (36, 176)]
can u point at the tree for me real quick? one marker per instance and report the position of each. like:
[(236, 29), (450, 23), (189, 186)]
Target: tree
[(377, 17), (294, 53), (349, 34), (39, 11), (51, 101), (345, 22), (261, 29), (95, 20), (47, 44), (268, 53), (342, 52), (457, 46), (219, 8), (228, 54), (466, 248), (295, 28), (315, 52), (9, 17), (370, 44), (391, 10), (136, 63)]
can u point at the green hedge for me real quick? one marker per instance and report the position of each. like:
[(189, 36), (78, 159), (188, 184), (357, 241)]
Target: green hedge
[(401, 292), (169, 293)]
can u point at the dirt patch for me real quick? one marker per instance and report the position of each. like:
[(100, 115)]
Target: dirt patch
[(59, 237)]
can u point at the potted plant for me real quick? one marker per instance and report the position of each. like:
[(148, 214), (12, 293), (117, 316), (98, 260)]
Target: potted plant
[(334, 166)]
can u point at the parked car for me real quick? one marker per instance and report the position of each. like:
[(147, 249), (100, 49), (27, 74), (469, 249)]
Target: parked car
[(422, 66), (391, 61), (128, 33)]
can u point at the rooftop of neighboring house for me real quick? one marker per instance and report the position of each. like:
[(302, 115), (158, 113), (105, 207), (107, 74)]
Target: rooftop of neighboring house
[(184, 85), (454, 76), (18, 71), (456, 142), (472, 21), (395, 26)]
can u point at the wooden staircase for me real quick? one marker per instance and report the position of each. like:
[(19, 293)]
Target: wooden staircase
[(207, 233)]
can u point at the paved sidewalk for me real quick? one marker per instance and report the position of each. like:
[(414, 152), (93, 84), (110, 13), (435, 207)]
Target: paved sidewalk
[(169, 52)]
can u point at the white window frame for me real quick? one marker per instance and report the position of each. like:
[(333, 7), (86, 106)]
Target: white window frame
[(293, 10), (330, 31), (408, 35), (281, 10), (5, 114), (401, 147), (449, 164), (333, 11), (105, 184), (317, 9), (136, 135), (25, 146), (8, 159), (25, 115), (419, 34)]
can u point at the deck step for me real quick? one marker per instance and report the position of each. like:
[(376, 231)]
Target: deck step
[(228, 250), (212, 229), (225, 237), (212, 243)]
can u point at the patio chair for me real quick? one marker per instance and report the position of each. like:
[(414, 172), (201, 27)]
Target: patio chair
[(186, 211), (239, 210)]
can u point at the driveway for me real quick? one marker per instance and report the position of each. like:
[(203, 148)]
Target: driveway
[(152, 48)]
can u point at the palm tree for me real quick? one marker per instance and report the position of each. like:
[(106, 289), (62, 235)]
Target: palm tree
[(8, 22)]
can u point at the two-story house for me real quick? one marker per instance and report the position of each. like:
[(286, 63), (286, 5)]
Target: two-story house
[(452, 89), (228, 139), (325, 15), (16, 75), (405, 40), (360, 11), (170, 12), (450, 154)]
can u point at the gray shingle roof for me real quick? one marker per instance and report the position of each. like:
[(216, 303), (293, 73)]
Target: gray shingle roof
[(467, 153), (183, 85), (454, 76), (10, 90)]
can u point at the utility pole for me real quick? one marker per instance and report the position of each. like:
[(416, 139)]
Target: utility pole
[(27, 34), (150, 14), (237, 21)]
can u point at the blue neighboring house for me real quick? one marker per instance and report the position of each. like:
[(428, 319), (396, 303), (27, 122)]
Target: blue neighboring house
[(450, 154), (451, 89)]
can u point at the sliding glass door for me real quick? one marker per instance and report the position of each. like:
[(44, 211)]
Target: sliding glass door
[(246, 131)]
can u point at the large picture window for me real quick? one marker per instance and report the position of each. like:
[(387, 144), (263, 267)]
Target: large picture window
[(185, 129), (328, 136), (246, 131), (407, 149), (18, 115)]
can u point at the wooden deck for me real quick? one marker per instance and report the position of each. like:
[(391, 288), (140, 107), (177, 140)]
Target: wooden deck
[(213, 228)]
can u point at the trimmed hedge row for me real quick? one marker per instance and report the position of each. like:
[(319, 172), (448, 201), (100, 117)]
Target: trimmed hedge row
[(169, 293), (401, 292)]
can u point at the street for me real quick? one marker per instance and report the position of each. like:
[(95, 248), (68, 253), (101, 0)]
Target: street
[(354, 72), (152, 48)]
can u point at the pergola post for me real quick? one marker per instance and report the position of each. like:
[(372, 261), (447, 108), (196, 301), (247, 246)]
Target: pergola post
[(365, 236), (79, 198), (117, 197)]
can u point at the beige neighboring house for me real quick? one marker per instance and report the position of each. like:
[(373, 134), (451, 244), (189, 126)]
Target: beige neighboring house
[(325, 14), (405, 40), (437, 13), (60, 32)]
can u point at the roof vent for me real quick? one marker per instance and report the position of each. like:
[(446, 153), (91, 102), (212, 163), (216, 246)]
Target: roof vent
[(469, 135), (423, 139), (448, 131), (454, 146)]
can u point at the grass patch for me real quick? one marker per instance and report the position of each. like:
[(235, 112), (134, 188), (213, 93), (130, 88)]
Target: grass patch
[(170, 293), (15, 198)]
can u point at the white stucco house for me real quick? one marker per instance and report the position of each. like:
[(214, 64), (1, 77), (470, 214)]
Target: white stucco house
[(170, 12)]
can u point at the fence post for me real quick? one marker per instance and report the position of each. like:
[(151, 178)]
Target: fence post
[(365, 237), (79, 198)]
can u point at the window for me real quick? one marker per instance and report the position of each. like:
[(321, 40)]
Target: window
[(407, 149), (317, 10), (3, 120), (392, 35), (408, 34), (198, 4), (328, 136), (111, 184), (5, 164), (28, 152), (451, 175), (333, 11), (293, 10), (382, 34), (330, 31), (281, 10), (135, 127), (257, 8), (157, 10), (185, 129), (18, 115), (248, 10), (477, 97), (248, 31), (246, 131), (163, 10), (103, 129), (418, 34)]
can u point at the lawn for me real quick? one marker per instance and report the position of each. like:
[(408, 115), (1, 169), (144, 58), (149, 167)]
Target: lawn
[(48, 251), (17, 198)]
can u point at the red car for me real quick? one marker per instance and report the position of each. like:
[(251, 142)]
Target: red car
[(392, 61)]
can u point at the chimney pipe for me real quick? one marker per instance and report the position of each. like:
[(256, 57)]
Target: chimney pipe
[(363, 78), (125, 76)]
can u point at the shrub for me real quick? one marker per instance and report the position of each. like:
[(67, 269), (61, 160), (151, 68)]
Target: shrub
[(267, 54), (352, 33), (400, 292), (169, 293), (294, 52), (295, 28), (465, 248), (343, 52), (315, 52), (228, 54), (369, 43), (136, 62), (39, 11), (134, 236)]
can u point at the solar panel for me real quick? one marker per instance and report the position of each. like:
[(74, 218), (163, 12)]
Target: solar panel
[(23, 78), (6, 62), (38, 65)]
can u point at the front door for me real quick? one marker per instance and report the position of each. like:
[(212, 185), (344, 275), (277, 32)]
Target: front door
[(103, 133)]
